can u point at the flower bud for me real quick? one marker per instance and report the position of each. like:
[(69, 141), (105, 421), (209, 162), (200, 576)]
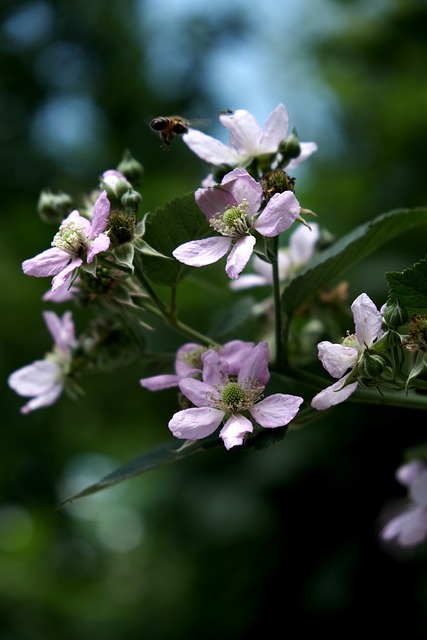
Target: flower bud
[(131, 168), (371, 366), (54, 207), (131, 199), (395, 315), (289, 148)]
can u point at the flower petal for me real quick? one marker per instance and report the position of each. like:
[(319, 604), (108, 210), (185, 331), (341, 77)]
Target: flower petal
[(43, 400), (36, 378), (198, 253), (234, 430), (99, 244), (367, 320), (276, 410), (243, 186), (184, 365), (157, 383), (215, 369), (333, 395), (61, 329), (336, 358), (275, 130), (245, 132), (199, 393), (255, 368), (306, 150), (209, 149), (101, 212), (235, 353), (279, 214), (64, 276), (195, 423), (302, 243), (45, 264), (213, 200), (239, 256), (409, 528)]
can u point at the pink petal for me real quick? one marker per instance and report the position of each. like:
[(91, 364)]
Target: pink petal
[(243, 186), (43, 400), (409, 528), (247, 281), (239, 256), (209, 149), (213, 200), (157, 383), (235, 353), (336, 358), (36, 378), (199, 253), (280, 213), (215, 369), (335, 394), (408, 473), (255, 367), (64, 276), (306, 150), (101, 212), (276, 410), (199, 393), (182, 367), (197, 423), (61, 329), (234, 430), (302, 243), (99, 244), (47, 263), (245, 132)]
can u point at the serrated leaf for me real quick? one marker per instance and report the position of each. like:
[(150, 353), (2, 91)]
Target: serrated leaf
[(409, 287), (347, 251), (178, 221)]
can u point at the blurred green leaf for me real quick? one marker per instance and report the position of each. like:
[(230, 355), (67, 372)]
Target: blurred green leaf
[(347, 251)]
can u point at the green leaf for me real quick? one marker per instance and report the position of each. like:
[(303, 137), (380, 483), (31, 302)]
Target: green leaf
[(178, 221), (409, 287), (171, 451), (347, 251)]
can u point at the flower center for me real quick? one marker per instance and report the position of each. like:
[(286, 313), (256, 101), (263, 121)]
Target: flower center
[(233, 221), (351, 341), (193, 358), (233, 396), (70, 238)]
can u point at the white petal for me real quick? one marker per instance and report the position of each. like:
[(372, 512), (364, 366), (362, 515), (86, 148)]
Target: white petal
[(336, 358), (367, 320), (306, 150), (209, 149), (234, 430), (302, 242), (36, 378), (198, 253), (333, 395), (199, 393), (279, 214), (193, 424), (239, 256), (276, 410)]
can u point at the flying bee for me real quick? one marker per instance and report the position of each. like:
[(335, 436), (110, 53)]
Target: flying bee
[(168, 127)]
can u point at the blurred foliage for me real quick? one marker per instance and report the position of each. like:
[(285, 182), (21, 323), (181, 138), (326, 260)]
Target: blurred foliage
[(229, 543)]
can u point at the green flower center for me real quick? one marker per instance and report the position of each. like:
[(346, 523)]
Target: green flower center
[(233, 221), (233, 396)]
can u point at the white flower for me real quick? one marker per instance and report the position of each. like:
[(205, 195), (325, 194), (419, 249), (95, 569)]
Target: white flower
[(339, 358)]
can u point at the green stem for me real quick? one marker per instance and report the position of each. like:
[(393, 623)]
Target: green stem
[(280, 354)]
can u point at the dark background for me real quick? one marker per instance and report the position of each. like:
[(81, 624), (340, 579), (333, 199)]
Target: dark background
[(224, 544)]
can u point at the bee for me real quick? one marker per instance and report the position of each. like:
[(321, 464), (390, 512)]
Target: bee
[(168, 127)]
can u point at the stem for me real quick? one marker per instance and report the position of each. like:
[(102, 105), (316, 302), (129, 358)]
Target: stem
[(280, 354)]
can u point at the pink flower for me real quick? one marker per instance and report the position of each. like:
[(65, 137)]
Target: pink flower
[(221, 396), (43, 380), (77, 240), (248, 139), (410, 527), (232, 210), (188, 362), (337, 359)]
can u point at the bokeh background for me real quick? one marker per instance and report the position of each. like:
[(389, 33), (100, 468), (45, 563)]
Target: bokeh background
[(225, 544)]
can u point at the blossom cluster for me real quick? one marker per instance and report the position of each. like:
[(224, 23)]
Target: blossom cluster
[(252, 216)]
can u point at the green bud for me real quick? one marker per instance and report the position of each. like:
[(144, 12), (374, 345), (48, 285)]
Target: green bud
[(220, 171), (371, 366), (131, 199), (395, 315), (131, 168), (290, 148), (54, 207)]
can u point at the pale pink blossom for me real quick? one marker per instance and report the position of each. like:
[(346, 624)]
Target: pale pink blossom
[(339, 360), (223, 398), (410, 527), (77, 243), (233, 209), (43, 380), (248, 139), (188, 362)]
